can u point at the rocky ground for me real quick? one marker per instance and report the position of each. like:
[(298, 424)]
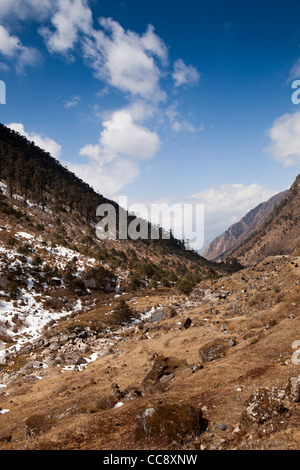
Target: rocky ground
[(219, 369)]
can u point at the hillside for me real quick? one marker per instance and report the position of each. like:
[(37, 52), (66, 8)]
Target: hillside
[(278, 235), (52, 263), (240, 231), (216, 370)]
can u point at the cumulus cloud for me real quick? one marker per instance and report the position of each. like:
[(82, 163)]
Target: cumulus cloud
[(12, 48), (45, 143), (23, 9), (107, 178), (113, 162), (71, 18), (126, 60), (285, 137), (185, 74)]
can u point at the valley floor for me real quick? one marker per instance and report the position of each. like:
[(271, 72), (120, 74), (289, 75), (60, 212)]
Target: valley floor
[(216, 370)]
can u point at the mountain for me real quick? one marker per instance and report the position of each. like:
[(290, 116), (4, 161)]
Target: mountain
[(240, 231), (52, 262), (279, 234)]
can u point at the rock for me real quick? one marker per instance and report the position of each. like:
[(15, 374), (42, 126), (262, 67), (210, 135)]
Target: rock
[(6, 438), (197, 367), (168, 312), (221, 427), (31, 378), (264, 404), (162, 366), (213, 350), (186, 324), (167, 378), (170, 422), (231, 342)]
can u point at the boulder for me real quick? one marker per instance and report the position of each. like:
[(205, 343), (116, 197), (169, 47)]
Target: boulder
[(264, 404), (185, 324), (213, 350), (162, 366), (168, 312), (170, 422)]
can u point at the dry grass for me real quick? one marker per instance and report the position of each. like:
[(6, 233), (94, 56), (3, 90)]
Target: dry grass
[(81, 404)]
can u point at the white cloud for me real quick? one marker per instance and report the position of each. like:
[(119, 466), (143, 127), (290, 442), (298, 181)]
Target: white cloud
[(45, 143), (126, 60), (23, 9), (12, 48), (9, 45), (122, 136), (114, 161), (285, 137), (178, 124), (72, 102), (108, 178), (71, 18), (185, 74)]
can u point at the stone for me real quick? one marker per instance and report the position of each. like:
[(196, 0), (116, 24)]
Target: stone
[(213, 350), (54, 346), (170, 422), (264, 404), (221, 427), (186, 324), (162, 366), (168, 312)]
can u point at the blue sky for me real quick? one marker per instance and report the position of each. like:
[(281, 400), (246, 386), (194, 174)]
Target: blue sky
[(165, 101)]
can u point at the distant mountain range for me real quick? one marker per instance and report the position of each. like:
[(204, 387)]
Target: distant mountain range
[(270, 228), (240, 231), (278, 234)]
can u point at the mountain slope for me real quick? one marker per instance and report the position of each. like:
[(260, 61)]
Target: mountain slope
[(52, 264), (278, 235), (240, 231)]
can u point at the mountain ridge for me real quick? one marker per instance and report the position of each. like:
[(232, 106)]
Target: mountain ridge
[(239, 231), (279, 233)]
